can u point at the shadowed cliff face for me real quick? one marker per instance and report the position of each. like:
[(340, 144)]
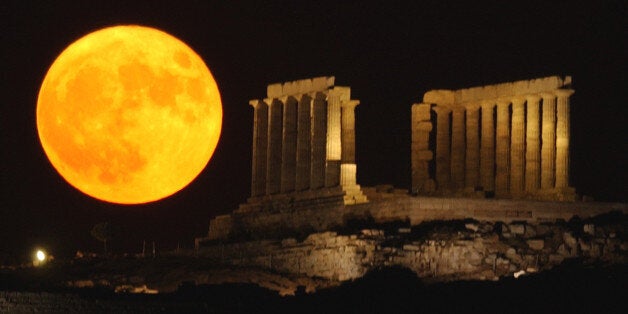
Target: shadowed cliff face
[(435, 251)]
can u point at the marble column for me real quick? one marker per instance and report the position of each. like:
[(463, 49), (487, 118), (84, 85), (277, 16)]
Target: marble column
[(319, 141), (487, 147), (304, 133), (443, 153), (517, 146), (457, 148), (273, 169), (334, 147), (548, 141), (472, 155), (562, 137), (533, 164), (260, 142), (502, 148), (289, 144), (420, 151), (348, 166)]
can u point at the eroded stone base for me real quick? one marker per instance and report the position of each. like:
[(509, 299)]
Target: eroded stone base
[(436, 251)]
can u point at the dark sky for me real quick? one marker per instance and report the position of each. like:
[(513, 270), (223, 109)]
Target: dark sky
[(390, 53)]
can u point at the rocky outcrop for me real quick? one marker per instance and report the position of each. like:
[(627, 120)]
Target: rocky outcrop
[(436, 251)]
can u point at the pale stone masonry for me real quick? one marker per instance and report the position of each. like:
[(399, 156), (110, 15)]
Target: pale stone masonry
[(304, 143), (421, 155), (508, 140)]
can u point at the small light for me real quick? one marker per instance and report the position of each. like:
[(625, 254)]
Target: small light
[(41, 256)]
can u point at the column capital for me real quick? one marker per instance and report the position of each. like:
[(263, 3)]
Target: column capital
[(503, 101), (547, 95), (533, 98), (440, 109), (350, 104), (518, 100), (457, 107), (472, 106), (255, 103), (488, 104), (563, 92)]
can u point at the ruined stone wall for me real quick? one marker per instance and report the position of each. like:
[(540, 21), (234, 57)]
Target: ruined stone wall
[(439, 252), (387, 207), (325, 255)]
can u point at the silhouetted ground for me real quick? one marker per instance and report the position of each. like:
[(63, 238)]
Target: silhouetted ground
[(568, 289)]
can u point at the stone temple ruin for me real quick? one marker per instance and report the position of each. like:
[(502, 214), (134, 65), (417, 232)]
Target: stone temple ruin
[(509, 140), (304, 143), (501, 151)]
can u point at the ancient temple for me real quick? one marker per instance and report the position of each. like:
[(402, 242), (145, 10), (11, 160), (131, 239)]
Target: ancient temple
[(510, 140), (304, 144)]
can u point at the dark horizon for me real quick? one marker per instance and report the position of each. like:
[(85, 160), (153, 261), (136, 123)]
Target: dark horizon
[(389, 54)]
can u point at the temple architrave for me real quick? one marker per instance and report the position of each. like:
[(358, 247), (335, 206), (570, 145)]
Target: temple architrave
[(510, 140), (304, 145)]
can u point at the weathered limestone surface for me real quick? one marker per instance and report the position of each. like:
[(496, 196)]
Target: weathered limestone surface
[(548, 141), (562, 137), (487, 150), (457, 148), (533, 162), (303, 172), (273, 169), (517, 142), (260, 136), (502, 147), (318, 140), (334, 147), (289, 145), (348, 168), (472, 156), (443, 153), (421, 154)]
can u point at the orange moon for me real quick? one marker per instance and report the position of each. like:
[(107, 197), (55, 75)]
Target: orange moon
[(129, 114)]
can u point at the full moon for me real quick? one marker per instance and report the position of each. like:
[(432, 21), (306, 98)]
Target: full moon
[(129, 114)]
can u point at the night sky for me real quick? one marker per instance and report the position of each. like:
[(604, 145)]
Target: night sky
[(389, 53)]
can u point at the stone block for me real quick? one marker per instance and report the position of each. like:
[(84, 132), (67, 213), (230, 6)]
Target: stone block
[(536, 244), (570, 240), (518, 229), (274, 90), (589, 229), (411, 247), (472, 226), (322, 83)]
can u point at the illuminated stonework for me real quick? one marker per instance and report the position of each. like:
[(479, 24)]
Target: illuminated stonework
[(488, 140), (304, 143)]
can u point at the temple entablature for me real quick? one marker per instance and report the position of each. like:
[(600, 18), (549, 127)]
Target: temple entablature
[(306, 86)]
